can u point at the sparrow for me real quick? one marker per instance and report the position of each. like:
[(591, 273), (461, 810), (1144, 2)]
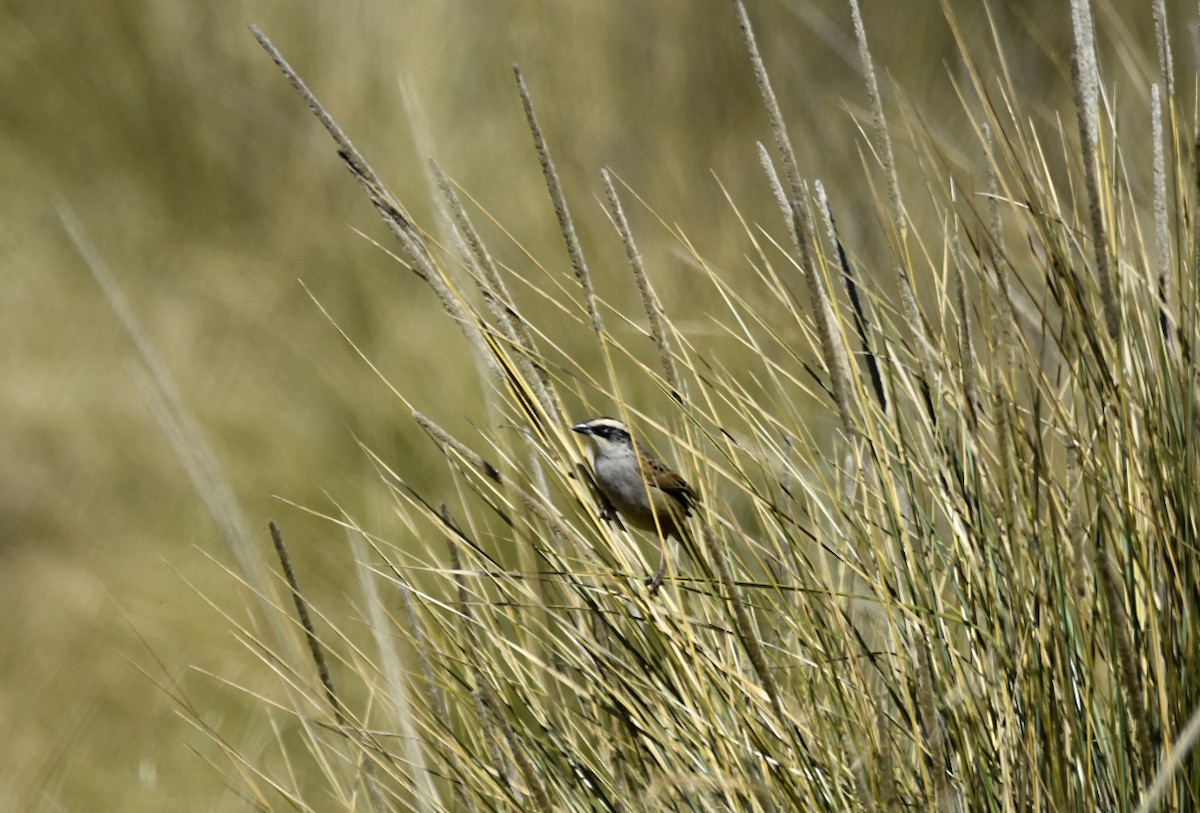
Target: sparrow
[(640, 487)]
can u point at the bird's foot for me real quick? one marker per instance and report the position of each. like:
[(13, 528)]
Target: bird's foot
[(654, 582)]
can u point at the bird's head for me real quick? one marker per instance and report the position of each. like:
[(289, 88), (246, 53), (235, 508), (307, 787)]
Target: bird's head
[(608, 436)]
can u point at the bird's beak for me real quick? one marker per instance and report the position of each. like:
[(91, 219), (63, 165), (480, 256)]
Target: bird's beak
[(582, 428)]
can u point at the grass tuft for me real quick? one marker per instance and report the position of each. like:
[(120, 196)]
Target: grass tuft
[(957, 570)]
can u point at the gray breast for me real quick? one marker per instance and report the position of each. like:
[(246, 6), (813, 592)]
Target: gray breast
[(625, 489)]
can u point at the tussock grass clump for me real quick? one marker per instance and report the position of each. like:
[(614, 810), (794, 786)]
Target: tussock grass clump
[(978, 592)]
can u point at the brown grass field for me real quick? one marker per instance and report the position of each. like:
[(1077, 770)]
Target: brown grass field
[(185, 164)]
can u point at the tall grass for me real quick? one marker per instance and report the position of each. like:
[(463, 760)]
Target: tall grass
[(974, 588)]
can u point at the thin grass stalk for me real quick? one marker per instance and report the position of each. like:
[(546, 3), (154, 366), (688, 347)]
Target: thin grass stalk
[(486, 711), (421, 263), (969, 370), (1076, 536), (1171, 764), (542, 587), (351, 730), (426, 794), (1004, 318), (446, 440), (991, 181), (1188, 318), (862, 784), (883, 146), (885, 773), (1086, 79), (393, 215), (1162, 38), (863, 319), (781, 198), (498, 298), (491, 704), (479, 465), (421, 641), (832, 348), (188, 441), (434, 697), (931, 724), (1127, 670), (346, 148), (1162, 237), (746, 632), (559, 200), (310, 633), (883, 138), (650, 302), (783, 142), (799, 219)]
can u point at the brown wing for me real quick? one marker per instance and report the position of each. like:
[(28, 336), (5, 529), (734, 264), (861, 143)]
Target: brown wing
[(659, 476)]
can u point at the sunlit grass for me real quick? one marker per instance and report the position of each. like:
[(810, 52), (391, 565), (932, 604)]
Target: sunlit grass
[(973, 588), (969, 577)]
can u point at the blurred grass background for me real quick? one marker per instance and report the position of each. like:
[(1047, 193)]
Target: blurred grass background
[(209, 190)]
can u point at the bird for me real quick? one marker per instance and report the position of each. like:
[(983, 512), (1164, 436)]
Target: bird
[(641, 488)]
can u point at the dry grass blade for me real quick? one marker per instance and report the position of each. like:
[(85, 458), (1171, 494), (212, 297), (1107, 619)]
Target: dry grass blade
[(186, 436), (1162, 237), (1162, 35), (416, 252), (1085, 75), (554, 186), (883, 136), (500, 300), (800, 226), (650, 302), (310, 632)]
